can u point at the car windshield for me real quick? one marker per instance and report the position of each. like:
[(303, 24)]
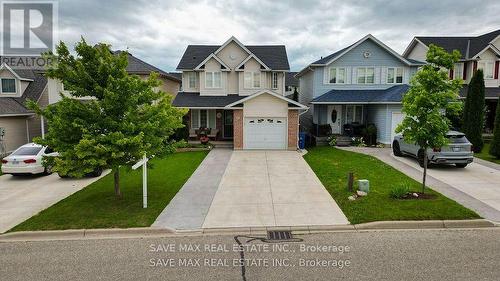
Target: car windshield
[(27, 151), (457, 139)]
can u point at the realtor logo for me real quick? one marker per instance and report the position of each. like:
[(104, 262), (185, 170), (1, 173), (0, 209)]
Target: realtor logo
[(28, 27)]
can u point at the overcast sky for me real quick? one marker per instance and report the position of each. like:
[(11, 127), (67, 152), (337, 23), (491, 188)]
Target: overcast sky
[(159, 31)]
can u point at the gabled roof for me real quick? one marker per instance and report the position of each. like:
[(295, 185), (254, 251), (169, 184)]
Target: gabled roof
[(212, 56), (469, 46), (16, 106), (333, 57), (276, 95), (252, 56), (290, 79), (393, 94), (138, 66), (274, 56)]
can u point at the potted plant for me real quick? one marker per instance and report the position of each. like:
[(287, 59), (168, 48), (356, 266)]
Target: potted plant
[(203, 135)]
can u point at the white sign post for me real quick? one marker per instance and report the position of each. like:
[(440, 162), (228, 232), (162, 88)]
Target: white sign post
[(144, 164)]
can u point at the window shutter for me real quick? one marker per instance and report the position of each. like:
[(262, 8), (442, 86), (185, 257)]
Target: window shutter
[(211, 118), (496, 70), (195, 113)]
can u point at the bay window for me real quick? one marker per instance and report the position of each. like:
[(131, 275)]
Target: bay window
[(337, 75), (251, 80), (366, 75), (212, 79), (394, 75)]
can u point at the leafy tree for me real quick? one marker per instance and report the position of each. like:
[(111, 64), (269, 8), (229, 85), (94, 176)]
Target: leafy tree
[(474, 111), (431, 92), (121, 118), (495, 143)]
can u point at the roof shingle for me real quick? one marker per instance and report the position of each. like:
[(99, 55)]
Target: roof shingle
[(390, 95)]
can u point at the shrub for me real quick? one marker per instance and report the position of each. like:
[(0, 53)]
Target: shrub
[(474, 111), (357, 141), (400, 191), (495, 142), (332, 140)]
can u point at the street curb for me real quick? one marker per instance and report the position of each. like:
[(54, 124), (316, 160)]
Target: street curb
[(79, 234), (145, 232)]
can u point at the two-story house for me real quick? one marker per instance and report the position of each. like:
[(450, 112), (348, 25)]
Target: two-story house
[(21, 81), (478, 52), (358, 85), (237, 93)]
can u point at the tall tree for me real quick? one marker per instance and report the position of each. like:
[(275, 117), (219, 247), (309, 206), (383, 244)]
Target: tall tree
[(474, 111), (495, 143), (431, 92), (122, 117)]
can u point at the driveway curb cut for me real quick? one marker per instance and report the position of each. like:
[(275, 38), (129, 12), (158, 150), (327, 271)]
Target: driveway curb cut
[(145, 232)]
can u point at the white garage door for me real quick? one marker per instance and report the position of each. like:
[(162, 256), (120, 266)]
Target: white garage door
[(397, 118), (265, 133)]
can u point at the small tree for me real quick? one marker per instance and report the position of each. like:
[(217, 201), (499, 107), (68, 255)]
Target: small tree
[(474, 111), (122, 118), (431, 94), (495, 143), (295, 95)]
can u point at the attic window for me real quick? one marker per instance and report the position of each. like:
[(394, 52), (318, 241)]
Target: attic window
[(242, 67), (222, 67), (8, 85), (202, 67)]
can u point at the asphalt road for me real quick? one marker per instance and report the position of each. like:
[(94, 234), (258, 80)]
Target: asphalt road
[(370, 255)]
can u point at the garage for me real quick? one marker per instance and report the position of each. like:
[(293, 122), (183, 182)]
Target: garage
[(397, 118), (265, 133)]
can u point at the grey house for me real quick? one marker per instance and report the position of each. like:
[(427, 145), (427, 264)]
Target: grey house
[(358, 85)]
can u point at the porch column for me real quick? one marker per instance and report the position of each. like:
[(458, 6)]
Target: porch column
[(238, 128)]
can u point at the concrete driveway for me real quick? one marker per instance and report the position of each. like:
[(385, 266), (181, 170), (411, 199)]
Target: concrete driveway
[(24, 197), (271, 188)]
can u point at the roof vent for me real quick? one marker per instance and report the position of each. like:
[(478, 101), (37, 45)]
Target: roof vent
[(194, 57)]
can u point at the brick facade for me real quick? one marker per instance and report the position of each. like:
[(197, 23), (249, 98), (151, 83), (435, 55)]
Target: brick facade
[(293, 129), (238, 128)]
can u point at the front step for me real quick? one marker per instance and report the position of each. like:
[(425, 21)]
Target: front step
[(343, 141)]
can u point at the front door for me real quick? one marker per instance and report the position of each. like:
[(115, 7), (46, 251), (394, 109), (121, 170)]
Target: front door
[(228, 124), (334, 118)]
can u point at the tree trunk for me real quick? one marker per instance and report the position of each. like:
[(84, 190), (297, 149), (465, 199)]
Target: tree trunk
[(118, 192), (425, 171)]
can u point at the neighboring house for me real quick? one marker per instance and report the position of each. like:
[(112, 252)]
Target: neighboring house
[(291, 84), (236, 93), (20, 84), (478, 52), (18, 123), (358, 85)]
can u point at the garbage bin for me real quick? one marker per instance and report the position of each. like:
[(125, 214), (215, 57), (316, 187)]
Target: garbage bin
[(302, 140)]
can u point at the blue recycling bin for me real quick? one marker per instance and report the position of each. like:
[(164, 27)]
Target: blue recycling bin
[(302, 140)]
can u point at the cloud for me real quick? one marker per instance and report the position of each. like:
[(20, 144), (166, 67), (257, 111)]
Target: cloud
[(159, 31)]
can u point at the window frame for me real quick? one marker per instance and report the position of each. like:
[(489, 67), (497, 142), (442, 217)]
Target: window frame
[(329, 81), (365, 69), (213, 85), (192, 74), (395, 77), (354, 110), (485, 67), (274, 80), (252, 80), (1, 85), (199, 118), (458, 65)]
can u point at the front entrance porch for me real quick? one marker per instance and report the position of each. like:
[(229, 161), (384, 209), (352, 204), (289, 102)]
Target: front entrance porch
[(217, 124)]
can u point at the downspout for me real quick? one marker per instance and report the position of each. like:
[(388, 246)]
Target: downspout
[(42, 125)]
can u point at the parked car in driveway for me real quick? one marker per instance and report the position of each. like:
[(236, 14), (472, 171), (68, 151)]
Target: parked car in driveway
[(458, 151), (27, 160)]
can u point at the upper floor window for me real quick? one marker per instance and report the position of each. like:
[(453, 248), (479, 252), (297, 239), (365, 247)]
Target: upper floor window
[(487, 68), (213, 80), (458, 70), (8, 85), (274, 82), (337, 75), (252, 80), (394, 75), (366, 75), (191, 79)]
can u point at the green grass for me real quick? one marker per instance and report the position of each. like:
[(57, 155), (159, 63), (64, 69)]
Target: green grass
[(485, 155), (332, 166), (96, 207)]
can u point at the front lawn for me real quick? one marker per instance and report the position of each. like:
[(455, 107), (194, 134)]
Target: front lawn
[(96, 207), (485, 155), (332, 166)]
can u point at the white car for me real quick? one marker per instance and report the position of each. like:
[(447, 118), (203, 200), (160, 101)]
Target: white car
[(27, 160)]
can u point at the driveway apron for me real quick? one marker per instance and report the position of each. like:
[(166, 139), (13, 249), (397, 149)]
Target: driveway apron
[(189, 207), (271, 188)]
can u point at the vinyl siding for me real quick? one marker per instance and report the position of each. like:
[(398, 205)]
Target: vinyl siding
[(15, 132)]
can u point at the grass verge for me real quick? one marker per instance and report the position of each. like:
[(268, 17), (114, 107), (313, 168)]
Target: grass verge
[(96, 207), (332, 166), (485, 155)]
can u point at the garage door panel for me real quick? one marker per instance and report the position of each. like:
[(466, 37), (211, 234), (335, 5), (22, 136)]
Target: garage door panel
[(265, 133)]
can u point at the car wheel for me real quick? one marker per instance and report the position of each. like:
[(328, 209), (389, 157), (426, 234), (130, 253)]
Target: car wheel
[(96, 173), (395, 149), (420, 158), (461, 165)]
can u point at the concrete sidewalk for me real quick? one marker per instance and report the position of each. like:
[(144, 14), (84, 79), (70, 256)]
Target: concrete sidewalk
[(189, 207), (476, 187)]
